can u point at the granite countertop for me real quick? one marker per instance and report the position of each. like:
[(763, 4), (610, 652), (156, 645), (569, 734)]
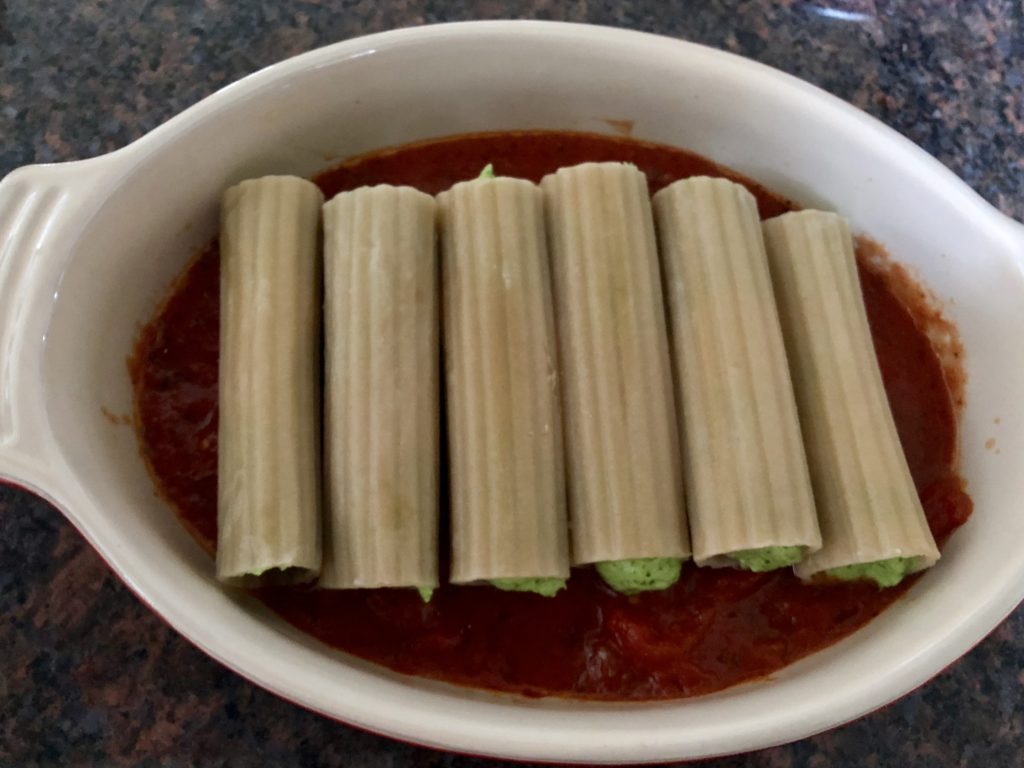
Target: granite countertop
[(88, 676)]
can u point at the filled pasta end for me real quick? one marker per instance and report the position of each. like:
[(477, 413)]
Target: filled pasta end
[(640, 575), (768, 558), (546, 587), (885, 573)]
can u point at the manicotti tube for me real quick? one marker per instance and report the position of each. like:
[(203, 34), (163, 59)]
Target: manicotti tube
[(872, 523), (748, 491), (382, 406), (508, 508), (622, 442), (268, 445)]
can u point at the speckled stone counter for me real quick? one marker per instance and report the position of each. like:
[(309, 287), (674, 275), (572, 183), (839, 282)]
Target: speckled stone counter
[(88, 676)]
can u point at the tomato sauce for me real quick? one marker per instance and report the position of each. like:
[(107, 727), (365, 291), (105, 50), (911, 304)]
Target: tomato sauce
[(713, 629)]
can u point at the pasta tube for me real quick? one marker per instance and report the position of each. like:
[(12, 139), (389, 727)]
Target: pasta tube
[(625, 478), (872, 523), (508, 508), (748, 490), (268, 447), (382, 399)]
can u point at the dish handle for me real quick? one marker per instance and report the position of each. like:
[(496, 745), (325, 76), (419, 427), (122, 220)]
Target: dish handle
[(42, 207)]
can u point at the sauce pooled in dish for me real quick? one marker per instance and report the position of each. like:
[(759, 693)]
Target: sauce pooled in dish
[(712, 629)]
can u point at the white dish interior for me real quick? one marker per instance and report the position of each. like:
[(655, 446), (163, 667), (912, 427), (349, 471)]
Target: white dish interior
[(92, 247)]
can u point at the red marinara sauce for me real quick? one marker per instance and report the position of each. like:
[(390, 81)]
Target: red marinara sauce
[(713, 629)]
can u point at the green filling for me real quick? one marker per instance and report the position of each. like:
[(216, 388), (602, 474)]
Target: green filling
[(768, 558), (487, 172), (545, 587), (425, 593), (640, 575), (885, 573)]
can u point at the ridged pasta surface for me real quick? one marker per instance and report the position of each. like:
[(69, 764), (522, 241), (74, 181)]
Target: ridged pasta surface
[(268, 461), (382, 389), (622, 442), (747, 483), (508, 507), (868, 506)]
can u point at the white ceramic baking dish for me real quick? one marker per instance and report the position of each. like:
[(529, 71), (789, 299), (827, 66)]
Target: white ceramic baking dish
[(87, 250)]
